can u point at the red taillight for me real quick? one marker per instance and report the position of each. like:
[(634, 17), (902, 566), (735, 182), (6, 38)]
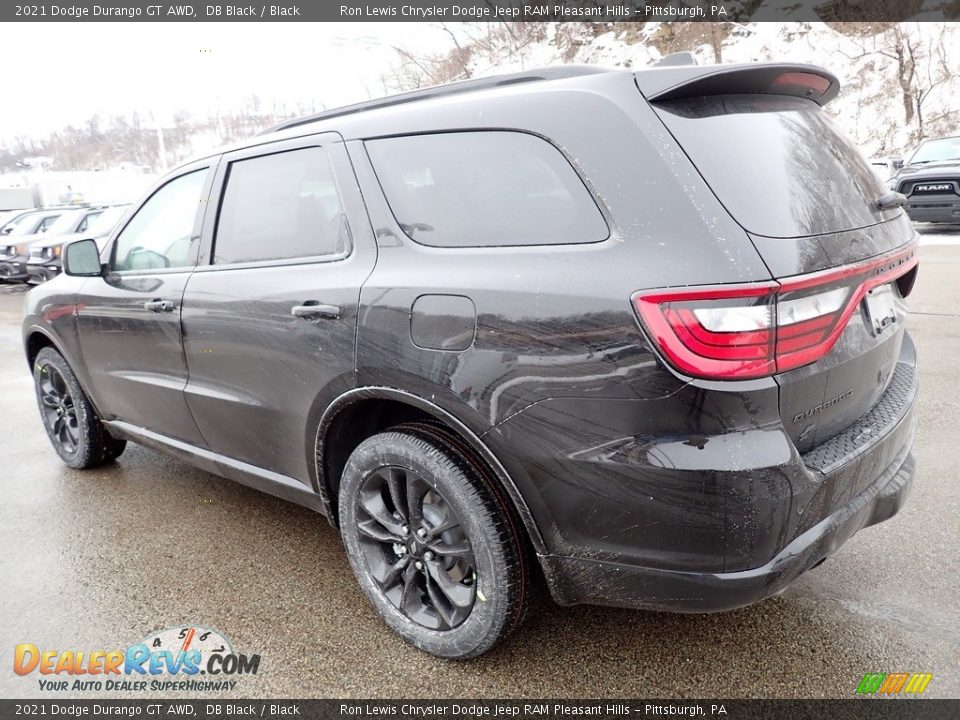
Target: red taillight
[(759, 329)]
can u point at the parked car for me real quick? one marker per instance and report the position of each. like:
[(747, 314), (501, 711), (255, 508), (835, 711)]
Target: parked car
[(16, 244), (930, 180), (45, 261), (640, 334), (55, 223)]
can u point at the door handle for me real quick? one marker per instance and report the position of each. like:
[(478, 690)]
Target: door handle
[(159, 305), (313, 309)]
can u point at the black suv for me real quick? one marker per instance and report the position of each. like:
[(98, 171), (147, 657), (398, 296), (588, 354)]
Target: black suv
[(640, 334), (930, 180)]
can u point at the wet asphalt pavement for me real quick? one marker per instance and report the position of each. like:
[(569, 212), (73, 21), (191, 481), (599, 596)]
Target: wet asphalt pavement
[(99, 559)]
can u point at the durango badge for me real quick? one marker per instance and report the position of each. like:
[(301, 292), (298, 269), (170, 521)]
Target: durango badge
[(822, 406)]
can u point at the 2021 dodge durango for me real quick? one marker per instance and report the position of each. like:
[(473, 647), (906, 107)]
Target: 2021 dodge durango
[(638, 334)]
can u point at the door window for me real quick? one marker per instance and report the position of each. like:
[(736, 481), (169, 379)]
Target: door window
[(485, 189), (46, 223), (161, 235), (87, 219), (280, 207)]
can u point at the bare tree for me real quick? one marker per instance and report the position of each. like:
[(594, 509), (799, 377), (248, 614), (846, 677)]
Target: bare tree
[(473, 46), (922, 66)]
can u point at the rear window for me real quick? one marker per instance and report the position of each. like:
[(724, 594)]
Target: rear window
[(484, 189), (778, 164)]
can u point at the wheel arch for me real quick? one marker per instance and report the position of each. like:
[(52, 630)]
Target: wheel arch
[(35, 341), (396, 407), (36, 338)]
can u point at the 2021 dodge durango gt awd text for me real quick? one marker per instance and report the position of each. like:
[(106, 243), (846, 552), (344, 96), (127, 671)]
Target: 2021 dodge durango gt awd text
[(638, 334)]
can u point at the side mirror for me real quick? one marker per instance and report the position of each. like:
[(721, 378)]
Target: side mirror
[(896, 162), (82, 259)]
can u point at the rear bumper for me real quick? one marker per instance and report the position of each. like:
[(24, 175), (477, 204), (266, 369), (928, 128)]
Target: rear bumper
[(942, 210), (691, 522), (578, 580)]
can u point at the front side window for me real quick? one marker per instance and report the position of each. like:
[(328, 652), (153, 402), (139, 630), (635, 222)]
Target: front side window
[(87, 219), (47, 223), (160, 235), (280, 207), (485, 189)]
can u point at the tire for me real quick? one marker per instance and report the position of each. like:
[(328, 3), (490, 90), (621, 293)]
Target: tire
[(472, 586), (74, 429)]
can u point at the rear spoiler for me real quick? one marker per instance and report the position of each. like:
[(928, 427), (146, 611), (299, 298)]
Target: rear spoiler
[(673, 83)]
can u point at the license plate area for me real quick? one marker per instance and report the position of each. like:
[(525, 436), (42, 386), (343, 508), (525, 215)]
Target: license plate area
[(881, 307)]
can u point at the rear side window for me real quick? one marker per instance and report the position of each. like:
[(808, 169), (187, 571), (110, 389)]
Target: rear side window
[(484, 189), (280, 207), (778, 164)]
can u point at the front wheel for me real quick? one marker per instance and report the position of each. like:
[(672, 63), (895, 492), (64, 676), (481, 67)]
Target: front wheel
[(433, 548), (72, 425)]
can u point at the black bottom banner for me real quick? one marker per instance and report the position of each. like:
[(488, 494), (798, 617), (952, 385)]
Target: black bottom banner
[(907, 709)]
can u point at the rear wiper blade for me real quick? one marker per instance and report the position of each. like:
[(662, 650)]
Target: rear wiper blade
[(891, 200)]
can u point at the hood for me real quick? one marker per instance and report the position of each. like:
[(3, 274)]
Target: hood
[(54, 240), (930, 169), (18, 240)]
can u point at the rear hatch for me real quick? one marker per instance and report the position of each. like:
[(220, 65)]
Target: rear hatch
[(809, 203)]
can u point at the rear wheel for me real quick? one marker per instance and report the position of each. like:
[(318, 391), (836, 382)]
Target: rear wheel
[(430, 544), (72, 425)]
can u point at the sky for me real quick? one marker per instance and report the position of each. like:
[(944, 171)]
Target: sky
[(63, 73)]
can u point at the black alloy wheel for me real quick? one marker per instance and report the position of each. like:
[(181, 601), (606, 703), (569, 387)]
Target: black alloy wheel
[(415, 547), (59, 410), (73, 426), (433, 542)]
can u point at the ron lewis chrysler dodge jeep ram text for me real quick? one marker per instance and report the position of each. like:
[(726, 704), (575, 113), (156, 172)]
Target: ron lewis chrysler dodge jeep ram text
[(640, 334)]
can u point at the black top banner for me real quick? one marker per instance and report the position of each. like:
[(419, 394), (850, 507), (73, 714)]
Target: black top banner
[(484, 11), (104, 709)]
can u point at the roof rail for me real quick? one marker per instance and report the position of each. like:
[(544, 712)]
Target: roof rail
[(557, 72)]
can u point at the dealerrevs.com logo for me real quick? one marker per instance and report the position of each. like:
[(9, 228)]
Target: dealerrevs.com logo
[(188, 657)]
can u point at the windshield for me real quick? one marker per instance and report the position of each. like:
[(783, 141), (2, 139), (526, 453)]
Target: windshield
[(17, 219), (27, 225), (937, 151), (107, 221)]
